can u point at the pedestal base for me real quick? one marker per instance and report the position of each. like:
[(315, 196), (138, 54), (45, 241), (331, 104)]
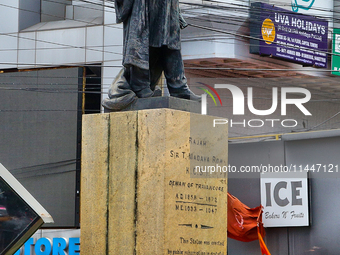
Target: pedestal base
[(143, 185)]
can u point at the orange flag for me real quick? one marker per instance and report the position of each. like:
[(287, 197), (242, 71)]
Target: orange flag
[(245, 224)]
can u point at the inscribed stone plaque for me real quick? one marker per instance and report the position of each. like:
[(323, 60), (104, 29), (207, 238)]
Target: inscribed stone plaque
[(189, 212)]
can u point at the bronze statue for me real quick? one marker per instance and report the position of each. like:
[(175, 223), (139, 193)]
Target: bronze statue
[(151, 46)]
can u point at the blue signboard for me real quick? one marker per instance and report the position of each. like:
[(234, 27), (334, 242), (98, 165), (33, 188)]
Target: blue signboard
[(56, 246), (287, 35)]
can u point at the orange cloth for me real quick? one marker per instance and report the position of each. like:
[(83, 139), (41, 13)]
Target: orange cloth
[(245, 224)]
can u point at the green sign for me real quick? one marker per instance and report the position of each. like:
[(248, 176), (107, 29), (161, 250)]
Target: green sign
[(336, 52)]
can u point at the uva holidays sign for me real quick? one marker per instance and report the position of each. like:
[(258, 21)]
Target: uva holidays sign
[(287, 35)]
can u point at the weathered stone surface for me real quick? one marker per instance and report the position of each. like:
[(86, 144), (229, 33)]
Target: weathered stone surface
[(176, 211), (157, 204), (122, 185), (94, 184)]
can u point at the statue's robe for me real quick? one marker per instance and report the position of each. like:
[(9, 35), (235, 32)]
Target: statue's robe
[(147, 23)]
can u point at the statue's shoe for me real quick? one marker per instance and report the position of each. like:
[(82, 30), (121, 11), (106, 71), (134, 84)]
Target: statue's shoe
[(186, 94), (157, 92), (144, 93)]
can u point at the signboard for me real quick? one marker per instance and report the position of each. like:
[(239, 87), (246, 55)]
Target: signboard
[(20, 214), (284, 197), (287, 35), (336, 52), (52, 242), (51, 246)]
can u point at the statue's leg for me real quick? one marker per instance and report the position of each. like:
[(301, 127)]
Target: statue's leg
[(120, 93), (174, 73), (155, 66), (140, 82)]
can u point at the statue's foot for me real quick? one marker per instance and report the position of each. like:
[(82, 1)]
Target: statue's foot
[(144, 93), (186, 93), (157, 92)]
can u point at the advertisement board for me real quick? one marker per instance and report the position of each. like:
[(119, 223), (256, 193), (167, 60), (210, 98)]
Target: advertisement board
[(287, 35), (284, 197), (52, 242)]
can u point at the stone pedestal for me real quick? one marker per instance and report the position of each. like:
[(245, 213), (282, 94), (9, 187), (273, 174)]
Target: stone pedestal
[(145, 187)]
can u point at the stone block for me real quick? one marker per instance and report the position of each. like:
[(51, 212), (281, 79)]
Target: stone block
[(94, 184), (160, 198), (180, 211), (122, 183)]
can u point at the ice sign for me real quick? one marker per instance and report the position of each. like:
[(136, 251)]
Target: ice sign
[(20, 214), (284, 196)]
